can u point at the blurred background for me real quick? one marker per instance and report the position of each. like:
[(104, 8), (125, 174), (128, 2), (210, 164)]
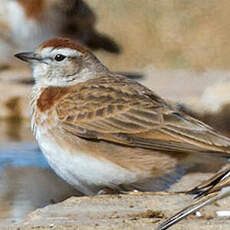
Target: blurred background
[(180, 49)]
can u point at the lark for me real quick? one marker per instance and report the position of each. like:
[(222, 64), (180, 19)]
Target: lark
[(100, 130)]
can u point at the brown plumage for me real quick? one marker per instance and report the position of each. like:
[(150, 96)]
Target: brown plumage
[(63, 43), (33, 8), (113, 107), (131, 137), (49, 96)]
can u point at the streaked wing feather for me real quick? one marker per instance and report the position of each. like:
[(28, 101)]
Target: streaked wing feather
[(119, 110)]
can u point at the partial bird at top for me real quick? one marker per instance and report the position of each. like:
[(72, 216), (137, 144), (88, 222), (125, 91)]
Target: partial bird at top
[(25, 23)]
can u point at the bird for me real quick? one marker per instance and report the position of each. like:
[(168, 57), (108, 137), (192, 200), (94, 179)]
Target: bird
[(26, 23), (101, 131), (209, 191)]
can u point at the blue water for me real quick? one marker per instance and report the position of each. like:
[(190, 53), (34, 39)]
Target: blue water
[(22, 154), (27, 182)]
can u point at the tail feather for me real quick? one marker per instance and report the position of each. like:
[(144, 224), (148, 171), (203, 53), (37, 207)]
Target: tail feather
[(100, 41), (207, 192), (132, 75), (208, 185), (188, 210)]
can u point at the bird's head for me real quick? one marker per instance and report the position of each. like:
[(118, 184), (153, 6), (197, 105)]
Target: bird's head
[(62, 62)]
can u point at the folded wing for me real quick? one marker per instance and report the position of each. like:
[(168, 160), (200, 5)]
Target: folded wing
[(118, 110)]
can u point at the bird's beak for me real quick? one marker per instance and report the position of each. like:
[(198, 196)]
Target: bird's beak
[(27, 57)]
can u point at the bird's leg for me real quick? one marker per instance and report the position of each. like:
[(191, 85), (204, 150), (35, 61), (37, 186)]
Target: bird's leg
[(107, 191)]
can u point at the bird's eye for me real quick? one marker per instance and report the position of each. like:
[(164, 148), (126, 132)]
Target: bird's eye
[(59, 57)]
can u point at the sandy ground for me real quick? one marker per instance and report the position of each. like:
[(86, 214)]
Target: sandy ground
[(133, 211)]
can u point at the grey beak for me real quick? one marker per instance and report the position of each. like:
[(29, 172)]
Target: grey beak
[(27, 57)]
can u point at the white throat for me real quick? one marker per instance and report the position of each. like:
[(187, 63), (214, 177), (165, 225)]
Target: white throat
[(43, 81)]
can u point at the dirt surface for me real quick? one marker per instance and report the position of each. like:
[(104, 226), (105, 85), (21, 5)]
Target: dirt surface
[(126, 211)]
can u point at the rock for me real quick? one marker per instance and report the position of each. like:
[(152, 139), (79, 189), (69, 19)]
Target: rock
[(13, 129), (14, 100), (215, 97), (132, 211), (24, 189), (15, 93)]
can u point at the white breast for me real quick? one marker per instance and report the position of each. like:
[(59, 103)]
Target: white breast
[(86, 173)]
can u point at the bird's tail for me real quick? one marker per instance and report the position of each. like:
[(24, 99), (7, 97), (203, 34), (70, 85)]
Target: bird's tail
[(188, 210), (132, 75), (216, 187), (101, 41), (214, 183)]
